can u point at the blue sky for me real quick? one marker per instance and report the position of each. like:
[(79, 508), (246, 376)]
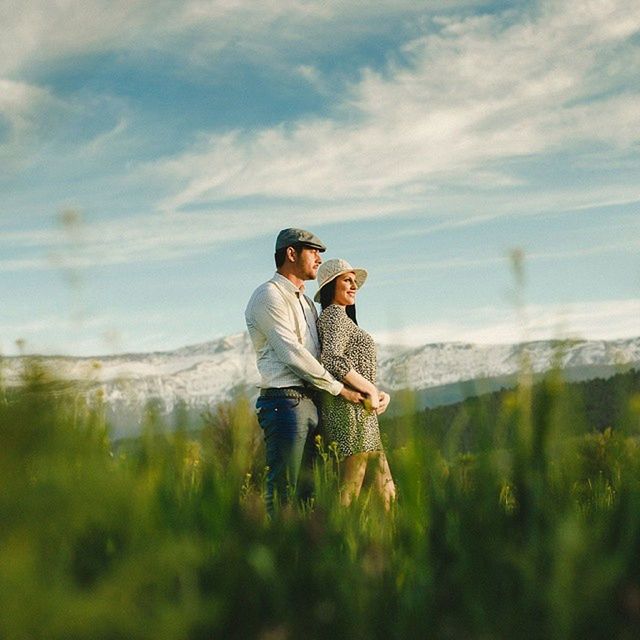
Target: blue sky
[(151, 151)]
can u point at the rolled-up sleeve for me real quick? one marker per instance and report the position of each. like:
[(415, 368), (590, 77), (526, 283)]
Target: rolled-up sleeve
[(335, 327)]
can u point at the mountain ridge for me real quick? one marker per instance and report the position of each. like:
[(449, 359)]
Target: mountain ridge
[(210, 372)]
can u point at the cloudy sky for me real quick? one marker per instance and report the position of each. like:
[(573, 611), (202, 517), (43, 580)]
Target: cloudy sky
[(151, 150)]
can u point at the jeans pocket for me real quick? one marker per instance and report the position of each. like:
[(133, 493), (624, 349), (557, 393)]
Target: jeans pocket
[(276, 408), (287, 403)]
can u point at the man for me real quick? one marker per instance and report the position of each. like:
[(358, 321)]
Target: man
[(282, 325)]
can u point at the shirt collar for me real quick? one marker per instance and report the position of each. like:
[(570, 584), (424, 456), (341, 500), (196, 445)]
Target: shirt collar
[(287, 284)]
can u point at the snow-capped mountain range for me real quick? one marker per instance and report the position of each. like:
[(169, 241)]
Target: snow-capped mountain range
[(208, 373)]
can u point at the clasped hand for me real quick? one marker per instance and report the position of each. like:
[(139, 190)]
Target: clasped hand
[(378, 401), (374, 400)]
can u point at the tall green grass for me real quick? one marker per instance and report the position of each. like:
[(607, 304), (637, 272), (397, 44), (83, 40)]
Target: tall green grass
[(532, 533)]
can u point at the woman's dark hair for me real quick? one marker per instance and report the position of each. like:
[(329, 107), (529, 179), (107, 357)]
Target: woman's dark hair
[(326, 298)]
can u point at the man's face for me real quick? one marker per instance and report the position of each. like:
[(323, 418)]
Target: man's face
[(308, 260)]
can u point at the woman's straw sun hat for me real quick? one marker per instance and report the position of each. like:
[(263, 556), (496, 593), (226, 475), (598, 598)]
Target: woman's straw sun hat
[(335, 267)]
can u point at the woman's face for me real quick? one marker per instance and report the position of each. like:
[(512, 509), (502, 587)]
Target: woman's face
[(346, 288)]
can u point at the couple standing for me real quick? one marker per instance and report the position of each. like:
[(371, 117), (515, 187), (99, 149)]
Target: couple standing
[(315, 368)]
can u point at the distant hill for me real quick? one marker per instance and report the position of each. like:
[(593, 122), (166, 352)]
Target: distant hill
[(206, 374), (483, 420)]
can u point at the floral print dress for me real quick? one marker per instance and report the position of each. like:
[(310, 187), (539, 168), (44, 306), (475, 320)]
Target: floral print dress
[(345, 346)]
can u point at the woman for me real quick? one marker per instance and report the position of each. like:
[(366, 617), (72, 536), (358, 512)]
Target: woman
[(349, 354)]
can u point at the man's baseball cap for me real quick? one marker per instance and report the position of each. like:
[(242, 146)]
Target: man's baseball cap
[(289, 237)]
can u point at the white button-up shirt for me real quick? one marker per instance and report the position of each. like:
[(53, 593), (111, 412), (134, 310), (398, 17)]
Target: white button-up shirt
[(282, 325)]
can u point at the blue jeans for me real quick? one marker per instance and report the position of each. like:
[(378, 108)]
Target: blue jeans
[(289, 426)]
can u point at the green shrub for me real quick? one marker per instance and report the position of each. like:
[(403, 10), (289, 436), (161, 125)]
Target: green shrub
[(525, 527)]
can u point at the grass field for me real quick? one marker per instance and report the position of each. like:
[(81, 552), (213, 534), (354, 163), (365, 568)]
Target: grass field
[(534, 533)]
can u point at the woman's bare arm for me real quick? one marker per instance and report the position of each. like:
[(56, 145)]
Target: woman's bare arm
[(360, 383)]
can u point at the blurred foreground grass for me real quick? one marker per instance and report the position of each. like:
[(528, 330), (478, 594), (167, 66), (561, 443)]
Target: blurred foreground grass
[(535, 533)]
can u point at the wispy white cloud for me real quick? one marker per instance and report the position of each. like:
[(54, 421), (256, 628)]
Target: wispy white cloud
[(103, 140), (606, 319), (37, 30), (24, 264), (422, 270), (92, 333), (19, 100), (631, 245), (157, 237), (425, 136), (22, 105), (601, 204), (463, 125), (44, 131), (479, 91)]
